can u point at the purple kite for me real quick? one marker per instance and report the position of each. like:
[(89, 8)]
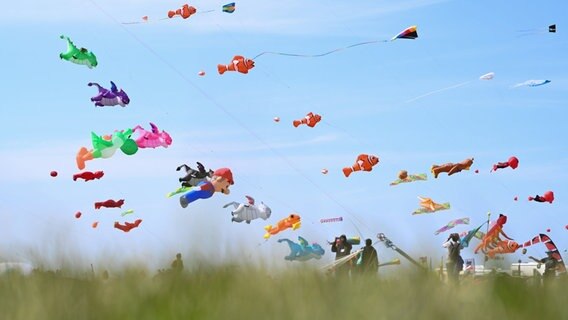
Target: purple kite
[(452, 224), (109, 98)]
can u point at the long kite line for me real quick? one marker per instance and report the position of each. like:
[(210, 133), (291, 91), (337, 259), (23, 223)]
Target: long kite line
[(408, 33)]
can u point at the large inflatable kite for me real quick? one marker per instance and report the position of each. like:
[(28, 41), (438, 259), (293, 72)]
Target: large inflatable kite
[(239, 64), (152, 139), (310, 120), (451, 168), (293, 221), (548, 196), (88, 175), (127, 226), (303, 251), (193, 177), (78, 56), (109, 204), (110, 97), (221, 180), (249, 211), (492, 237), (106, 146), (513, 163), (364, 162)]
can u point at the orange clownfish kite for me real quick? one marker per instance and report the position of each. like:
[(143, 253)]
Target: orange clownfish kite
[(310, 120), (239, 63), (364, 162), (185, 12)]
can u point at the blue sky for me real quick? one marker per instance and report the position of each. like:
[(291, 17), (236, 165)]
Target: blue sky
[(226, 121)]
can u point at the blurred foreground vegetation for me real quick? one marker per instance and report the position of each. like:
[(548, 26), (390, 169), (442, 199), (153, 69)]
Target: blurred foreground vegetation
[(236, 292)]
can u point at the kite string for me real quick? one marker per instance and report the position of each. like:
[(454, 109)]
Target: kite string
[(320, 54), (439, 90), (230, 115)]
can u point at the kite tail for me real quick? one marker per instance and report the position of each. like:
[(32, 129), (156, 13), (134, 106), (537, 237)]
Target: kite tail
[(317, 55)]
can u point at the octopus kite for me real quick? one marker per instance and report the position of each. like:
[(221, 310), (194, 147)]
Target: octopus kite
[(239, 64), (310, 120), (451, 168), (513, 162), (109, 98), (491, 238), (404, 177), (292, 221), (364, 162), (152, 139), (428, 205), (548, 196), (303, 251), (78, 56)]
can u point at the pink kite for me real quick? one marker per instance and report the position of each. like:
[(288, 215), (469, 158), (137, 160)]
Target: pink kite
[(152, 139)]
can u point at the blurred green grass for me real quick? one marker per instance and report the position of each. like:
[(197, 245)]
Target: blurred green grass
[(241, 292)]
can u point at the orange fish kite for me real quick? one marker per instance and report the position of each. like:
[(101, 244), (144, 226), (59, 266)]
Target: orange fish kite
[(185, 12), (292, 221), (239, 63), (364, 162), (310, 119)]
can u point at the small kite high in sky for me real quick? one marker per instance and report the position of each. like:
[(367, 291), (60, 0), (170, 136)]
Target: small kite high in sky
[(293, 221), (513, 163), (404, 177), (364, 162), (532, 83)]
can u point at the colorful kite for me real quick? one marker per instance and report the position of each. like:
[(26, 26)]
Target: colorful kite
[(239, 64), (303, 251), (532, 83), (513, 162), (221, 180), (327, 220), (249, 211), (364, 162), (78, 56), (152, 139), (452, 224), (127, 226), (229, 7), (545, 239), (310, 120), (111, 97), (185, 12), (491, 238), (467, 236), (503, 247), (404, 177), (88, 176), (428, 206), (548, 196), (292, 221), (451, 168), (408, 33), (106, 146)]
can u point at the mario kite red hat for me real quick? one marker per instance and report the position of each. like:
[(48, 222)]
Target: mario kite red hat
[(224, 173)]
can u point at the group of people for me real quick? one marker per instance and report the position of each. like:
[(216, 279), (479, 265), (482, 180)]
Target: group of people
[(367, 263), (454, 262)]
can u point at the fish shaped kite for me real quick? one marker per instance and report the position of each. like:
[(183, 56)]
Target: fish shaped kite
[(404, 177), (78, 56), (239, 64), (513, 163), (428, 206), (364, 162), (184, 12), (293, 221), (492, 237), (310, 120), (503, 247), (452, 224)]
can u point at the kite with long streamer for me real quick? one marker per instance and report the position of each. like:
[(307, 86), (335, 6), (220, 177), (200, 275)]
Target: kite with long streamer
[(544, 239), (184, 12), (408, 33), (532, 83), (452, 224)]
